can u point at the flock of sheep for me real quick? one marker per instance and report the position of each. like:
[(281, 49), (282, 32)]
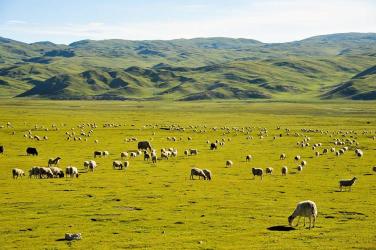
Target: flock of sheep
[(303, 209)]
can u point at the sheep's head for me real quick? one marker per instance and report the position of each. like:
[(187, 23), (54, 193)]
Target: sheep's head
[(290, 220)]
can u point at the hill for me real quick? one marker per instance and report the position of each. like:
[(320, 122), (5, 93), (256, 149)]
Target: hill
[(328, 66)]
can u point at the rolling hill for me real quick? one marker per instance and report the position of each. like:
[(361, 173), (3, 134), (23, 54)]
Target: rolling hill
[(336, 66)]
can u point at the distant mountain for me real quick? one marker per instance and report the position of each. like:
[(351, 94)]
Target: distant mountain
[(336, 66)]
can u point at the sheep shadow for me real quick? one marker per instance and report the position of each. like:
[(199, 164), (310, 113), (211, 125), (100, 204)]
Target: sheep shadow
[(281, 228)]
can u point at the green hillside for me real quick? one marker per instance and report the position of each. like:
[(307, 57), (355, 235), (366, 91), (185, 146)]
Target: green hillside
[(322, 67)]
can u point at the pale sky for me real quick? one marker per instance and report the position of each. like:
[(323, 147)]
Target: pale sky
[(67, 21)]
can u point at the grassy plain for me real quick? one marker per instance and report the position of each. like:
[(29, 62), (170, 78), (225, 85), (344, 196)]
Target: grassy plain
[(158, 206)]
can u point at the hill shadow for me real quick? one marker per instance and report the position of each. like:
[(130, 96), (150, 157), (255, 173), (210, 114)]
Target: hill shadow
[(281, 228)]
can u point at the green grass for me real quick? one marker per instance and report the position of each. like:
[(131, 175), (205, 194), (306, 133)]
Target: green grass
[(233, 211)]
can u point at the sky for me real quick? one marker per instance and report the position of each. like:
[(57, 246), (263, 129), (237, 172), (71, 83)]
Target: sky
[(67, 21)]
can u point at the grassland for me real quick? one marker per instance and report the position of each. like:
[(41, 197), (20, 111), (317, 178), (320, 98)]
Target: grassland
[(158, 206)]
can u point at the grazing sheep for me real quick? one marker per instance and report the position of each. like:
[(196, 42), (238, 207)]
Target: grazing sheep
[(346, 183), (208, 174), (97, 153), (297, 158), (193, 151), (358, 152), (300, 168), (1, 149), (303, 163), (317, 153), (258, 172), (146, 156), (229, 163), (71, 171), (282, 156), (269, 170), (197, 172), (154, 158), (16, 172), (165, 155), (304, 209), (123, 155), (133, 154), (105, 153), (54, 162), (213, 146), (34, 172), (284, 170), (57, 172), (45, 172), (325, 150), (374, 168), (248, 158), (92, 165), (32, 151), (86, 165), (144, 145), (186, 152), (117, 165), (126, 164)]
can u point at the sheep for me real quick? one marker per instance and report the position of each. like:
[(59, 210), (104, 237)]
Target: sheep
[(154, 159), (374, 168), (123, 155), (300, 168), (54, 162), (284, 170), (248, 158), (317, 153), (303, 163), (346, 183), (282, 156), (208, 174), (57, 172), (193, 151), (71, 171), (117, 164), (92, 165), (229, 163), (126, 164), (105, 153), (258, 172), (297, 158), (133, 154), (197, 172), (269, 170), (34, 172), (165, 155), (304, 209), (97, 153), (213, 146), (146, 156), (358, 152), (16, 172), (186, 152), (45, 172), (86, 165)]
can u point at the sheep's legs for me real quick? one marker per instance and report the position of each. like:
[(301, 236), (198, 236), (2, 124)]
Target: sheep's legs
[(298, 221)]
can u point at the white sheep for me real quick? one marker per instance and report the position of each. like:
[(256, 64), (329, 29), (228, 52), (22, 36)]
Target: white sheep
[(197, 172), (229, 163), (258, 172), (300, 168), (346, 183), (269, 170), (117, 165), (16, 172), (92, 165), (358, 152), (304, 209), (374, 168), (208, 174), (124, 155), (248, 158), (297, 158), (303, 163), (282, 156), (71, 171), (126, 164)]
